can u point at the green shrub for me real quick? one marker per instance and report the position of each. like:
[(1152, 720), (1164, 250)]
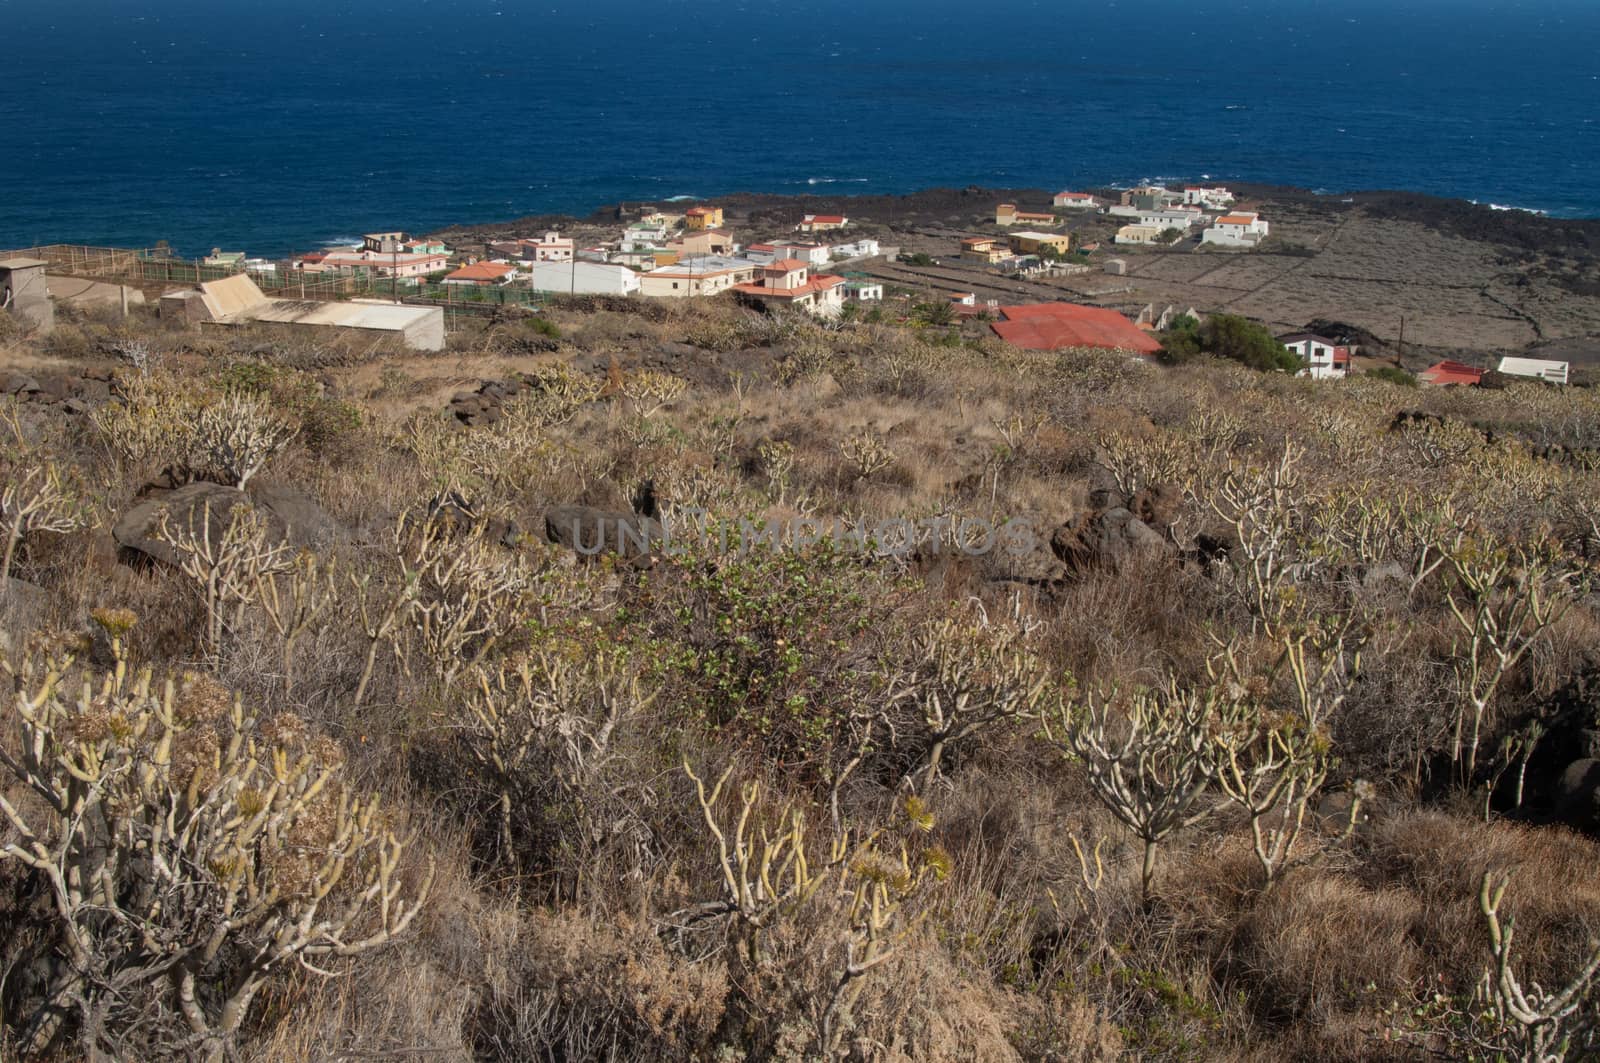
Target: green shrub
[(770, 645), (1394, 375)]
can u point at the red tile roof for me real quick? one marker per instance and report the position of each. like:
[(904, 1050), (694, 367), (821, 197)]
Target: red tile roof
[(1236, 219), (1058, 326), (482, 271), (784, 265), (815, 284), (1448, 372)]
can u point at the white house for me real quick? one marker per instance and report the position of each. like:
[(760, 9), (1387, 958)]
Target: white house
[(1214, 197), (706, 275), (809, 253), (1240, 229), (1160, 217), (821, 223), (790, 282), (583, 278), (866, 247), (551, 247), (1324, 359), (1535, 368), (1075, 201), (642, 236), (863, 291)]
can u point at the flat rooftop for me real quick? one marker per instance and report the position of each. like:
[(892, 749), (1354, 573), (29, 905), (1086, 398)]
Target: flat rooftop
[(357, 313)]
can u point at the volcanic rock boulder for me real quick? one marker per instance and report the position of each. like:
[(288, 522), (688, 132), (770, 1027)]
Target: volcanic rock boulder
[(591, 531), (287, 515), (1578, 795), (460, 515), (1111, 539)]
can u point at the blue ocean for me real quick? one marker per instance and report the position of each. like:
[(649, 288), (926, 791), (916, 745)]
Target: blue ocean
[(279, 125)]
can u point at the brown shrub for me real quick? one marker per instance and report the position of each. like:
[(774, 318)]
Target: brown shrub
[(577, 989), (1321, 943), (1554, 892)]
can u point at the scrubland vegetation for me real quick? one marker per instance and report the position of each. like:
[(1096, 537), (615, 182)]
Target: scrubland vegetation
[(1268, 743)]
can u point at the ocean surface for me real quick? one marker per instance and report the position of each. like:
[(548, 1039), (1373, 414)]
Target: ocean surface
[(277, 125)]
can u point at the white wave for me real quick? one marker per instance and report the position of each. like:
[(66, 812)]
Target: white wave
[(341, 241), (1506, 206)]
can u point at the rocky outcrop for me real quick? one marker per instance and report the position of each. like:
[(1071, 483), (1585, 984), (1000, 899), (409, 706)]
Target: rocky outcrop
[(288, 515), (1118, 531), (1111, 539), (70, 393)]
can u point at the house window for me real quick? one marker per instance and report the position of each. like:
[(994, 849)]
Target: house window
[(674, 284)]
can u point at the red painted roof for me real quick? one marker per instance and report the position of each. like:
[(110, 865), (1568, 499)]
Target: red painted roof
[(1448, 372), (1056, 326)]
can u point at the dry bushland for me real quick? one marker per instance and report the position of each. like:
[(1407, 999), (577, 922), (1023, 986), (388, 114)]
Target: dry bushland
[(978, 704)]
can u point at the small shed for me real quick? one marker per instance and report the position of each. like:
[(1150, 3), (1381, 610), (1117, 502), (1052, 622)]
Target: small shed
[(1117, 267), (25, 292)]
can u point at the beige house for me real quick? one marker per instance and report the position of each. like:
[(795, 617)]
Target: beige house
[(1139, 234), (1008, 214), (985, 249), (702, 242), (697, 276)]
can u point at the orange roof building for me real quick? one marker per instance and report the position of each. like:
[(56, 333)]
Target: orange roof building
[(482, 273), (1063, 326), (1446, 373)]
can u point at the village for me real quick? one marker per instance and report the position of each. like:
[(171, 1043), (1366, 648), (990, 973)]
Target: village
[(1060, 277)]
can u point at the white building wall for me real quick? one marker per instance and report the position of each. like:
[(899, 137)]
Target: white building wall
[(583, 278)]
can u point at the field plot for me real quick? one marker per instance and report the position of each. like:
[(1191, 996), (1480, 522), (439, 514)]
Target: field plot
[(1451, 291)]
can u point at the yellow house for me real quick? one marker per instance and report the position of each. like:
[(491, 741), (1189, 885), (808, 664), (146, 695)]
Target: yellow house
[(1031, 243), (703, 218)]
